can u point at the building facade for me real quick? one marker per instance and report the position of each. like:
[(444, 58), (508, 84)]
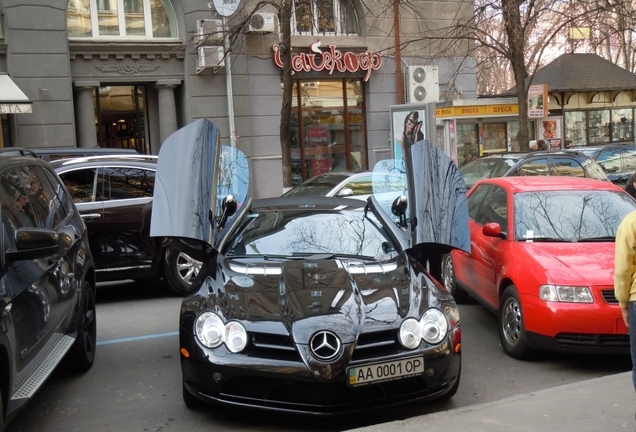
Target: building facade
[(128, 73)]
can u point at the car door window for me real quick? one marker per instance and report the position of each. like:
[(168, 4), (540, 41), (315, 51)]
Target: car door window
[(46, 201), (127, 183), (494, 209), (476, 198), (81, 185), (361, 185), (610, 160), (535, 167), (17, 210), (629, 160), (567, 167)]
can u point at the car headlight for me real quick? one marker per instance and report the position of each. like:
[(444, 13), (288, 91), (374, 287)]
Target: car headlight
[(212, 332), (566, 294), (432, 327)]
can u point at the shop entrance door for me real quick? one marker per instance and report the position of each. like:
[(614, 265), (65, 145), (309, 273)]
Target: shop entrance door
[(121, 118)]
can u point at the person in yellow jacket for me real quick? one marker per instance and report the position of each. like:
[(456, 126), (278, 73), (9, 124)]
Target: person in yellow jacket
[(625, 279)]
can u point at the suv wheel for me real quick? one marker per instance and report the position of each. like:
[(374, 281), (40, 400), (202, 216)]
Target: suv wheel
[(179, 270), (82, 354)]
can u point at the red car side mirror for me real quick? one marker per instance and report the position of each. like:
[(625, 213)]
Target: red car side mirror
[(492, 229)]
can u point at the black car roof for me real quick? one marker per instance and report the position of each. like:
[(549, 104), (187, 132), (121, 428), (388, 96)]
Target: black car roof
[(12, 155)]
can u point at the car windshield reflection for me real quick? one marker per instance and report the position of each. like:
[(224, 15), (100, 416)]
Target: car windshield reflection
[(569, 215), (300, 233)]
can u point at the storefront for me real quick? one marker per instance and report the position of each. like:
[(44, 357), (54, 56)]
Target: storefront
[(472, 128)]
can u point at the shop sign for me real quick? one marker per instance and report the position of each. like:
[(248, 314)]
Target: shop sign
[(477, 111), (331, 60), (9, 108)]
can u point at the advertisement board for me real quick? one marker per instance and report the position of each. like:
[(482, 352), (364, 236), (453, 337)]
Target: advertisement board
[(411, 123)]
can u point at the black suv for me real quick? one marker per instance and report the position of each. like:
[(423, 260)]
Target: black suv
[(114, 197), (554, 162), (48, 280)]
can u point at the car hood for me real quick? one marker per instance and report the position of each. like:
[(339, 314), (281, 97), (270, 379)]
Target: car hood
[(437, 207), (575, 263), (194, 174), (306, 295)]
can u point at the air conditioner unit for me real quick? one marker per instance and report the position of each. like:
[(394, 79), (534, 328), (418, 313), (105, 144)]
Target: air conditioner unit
[(209, 31), (421, 84), (262, 23), (210, 57)]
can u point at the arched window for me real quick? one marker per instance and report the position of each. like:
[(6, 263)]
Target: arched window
[(130, 19), (324, 18)]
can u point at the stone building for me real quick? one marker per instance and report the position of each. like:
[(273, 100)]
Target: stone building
[(127, 73)]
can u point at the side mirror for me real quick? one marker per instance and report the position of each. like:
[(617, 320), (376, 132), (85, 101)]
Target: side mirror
[(345, 192), (492, 229), (34, 243), (398, 208), (229, 206)]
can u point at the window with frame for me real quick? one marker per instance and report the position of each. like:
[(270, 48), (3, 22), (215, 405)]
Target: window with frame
[(121, 19), (324, 18)]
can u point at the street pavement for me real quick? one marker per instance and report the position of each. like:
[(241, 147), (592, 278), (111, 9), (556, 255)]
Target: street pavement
[(600, 404)]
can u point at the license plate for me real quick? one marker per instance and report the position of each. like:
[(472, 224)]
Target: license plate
[(387, 371)]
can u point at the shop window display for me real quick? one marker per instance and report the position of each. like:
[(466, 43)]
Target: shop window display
[(467, 143)]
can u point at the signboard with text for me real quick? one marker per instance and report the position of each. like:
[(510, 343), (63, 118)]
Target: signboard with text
[(538, 101)]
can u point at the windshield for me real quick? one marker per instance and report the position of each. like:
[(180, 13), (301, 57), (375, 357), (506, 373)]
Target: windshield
[(294, 233), (486, 168), (317, 186), (570, 215)]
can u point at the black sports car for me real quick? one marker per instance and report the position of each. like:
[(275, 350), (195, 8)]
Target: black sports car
[(312, 305)]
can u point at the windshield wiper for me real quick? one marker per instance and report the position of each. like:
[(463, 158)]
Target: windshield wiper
[(598, 239), (327, 255), (547, 240)]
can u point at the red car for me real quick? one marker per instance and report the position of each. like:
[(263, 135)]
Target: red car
[(542, 258)]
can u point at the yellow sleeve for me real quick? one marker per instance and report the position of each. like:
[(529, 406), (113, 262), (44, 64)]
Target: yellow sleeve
[(625, 254)]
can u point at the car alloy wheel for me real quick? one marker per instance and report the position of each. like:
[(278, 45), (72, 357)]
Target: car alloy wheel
[(450, 283), (512, 332), (180, 270)]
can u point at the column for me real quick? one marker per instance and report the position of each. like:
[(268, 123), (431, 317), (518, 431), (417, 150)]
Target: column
[(167, 108), (85, 104)]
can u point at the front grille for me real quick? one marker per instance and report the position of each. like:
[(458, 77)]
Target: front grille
[(276, 347), (573, 340), (608, 296), (377, 344)]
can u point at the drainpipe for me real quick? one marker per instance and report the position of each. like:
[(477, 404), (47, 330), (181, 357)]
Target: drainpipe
[(398, 52)]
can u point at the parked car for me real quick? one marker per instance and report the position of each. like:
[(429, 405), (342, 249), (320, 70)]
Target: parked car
[(538, 163), (113, 194), (307, 304), (336, 183), (617, 160), (54, 153), (48, 281), (542, 258)]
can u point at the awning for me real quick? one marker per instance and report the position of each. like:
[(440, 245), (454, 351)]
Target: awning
[(12, 99)]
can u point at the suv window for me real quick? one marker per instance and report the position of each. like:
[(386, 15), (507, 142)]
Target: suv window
[(17, 211), (81, 185), (127, 183), (535, 167), (567, 167)]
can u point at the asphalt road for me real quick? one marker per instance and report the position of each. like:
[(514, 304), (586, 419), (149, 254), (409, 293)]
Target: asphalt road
[(135, 383)]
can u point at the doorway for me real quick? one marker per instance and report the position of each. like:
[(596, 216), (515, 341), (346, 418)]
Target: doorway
[(121, 117)]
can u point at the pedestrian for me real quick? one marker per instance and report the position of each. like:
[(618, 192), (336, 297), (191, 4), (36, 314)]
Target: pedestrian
[(533, 145), (625, 279), (568, 144), (542, 145)]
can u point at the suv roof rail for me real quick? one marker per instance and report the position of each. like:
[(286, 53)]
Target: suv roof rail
[(19, 150), (119, 157)]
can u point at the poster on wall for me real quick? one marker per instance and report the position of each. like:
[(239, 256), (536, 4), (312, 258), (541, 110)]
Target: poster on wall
[(538, 101), (408, 125), (550, 130)]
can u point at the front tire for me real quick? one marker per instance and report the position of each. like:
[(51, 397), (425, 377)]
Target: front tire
[(450, 283), (512, 332), (180, 269), (82, 354)]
